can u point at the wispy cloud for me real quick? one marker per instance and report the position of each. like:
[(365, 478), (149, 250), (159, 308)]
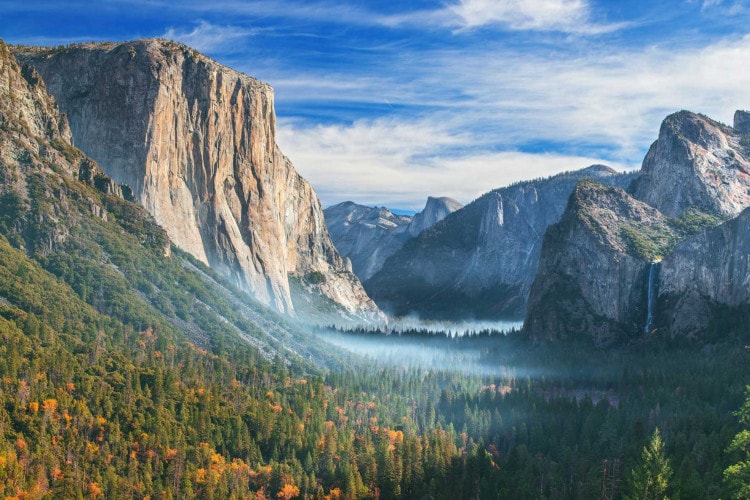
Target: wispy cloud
[(569, 16), (208, 37), (399, 163), (564, 16)]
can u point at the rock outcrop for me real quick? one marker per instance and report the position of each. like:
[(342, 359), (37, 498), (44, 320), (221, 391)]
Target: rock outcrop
[(706, 271), (593, 274), (480, 261), (196, 143), (697, 163), (369, 235), (39, 200)]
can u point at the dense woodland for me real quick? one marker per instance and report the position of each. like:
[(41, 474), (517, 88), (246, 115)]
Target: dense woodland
[(124, 373)]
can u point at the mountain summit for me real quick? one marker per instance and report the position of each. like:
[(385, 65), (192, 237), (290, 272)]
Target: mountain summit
[(196, 142), (697, 163)]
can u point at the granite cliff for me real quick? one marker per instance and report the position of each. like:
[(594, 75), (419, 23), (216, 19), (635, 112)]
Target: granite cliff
[(480, 261), (601, 274), (594, 266), (369, 235), (196, 143), (707, 276)]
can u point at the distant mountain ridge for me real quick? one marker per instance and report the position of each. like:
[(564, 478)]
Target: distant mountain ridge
[(369, 235), (480, 260)]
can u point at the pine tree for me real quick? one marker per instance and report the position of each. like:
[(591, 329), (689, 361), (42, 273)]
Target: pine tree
[(650, 479), (737, 475)]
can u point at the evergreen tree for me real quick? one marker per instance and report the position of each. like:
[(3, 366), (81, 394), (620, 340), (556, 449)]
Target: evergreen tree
[(737, 475), (650, 479)]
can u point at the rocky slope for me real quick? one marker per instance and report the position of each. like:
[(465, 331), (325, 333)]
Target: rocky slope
[(593, 274), (369, 235), (480, 261), (196, 143), (697, 163)]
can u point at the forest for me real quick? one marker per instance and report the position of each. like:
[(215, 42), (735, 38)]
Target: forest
[(131, 372)]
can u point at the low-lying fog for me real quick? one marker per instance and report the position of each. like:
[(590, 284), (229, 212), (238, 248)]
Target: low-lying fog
[(447, 352)]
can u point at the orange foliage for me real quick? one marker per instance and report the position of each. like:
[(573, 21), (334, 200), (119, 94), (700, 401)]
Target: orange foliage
[(94, 490), (287, 492), (200, 476), (34, 407), (49, 405)]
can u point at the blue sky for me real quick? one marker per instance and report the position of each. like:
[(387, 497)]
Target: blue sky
[(387, 102)]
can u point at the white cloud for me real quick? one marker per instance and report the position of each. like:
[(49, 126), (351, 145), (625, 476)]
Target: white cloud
[(207, 37), (566, 16), (399, 163), (559, 15)]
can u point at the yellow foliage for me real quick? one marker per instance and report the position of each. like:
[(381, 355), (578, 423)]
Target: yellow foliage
[(34, 407)]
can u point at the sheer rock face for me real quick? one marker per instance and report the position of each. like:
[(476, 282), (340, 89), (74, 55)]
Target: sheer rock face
[(369, 235), (196, 142), (590, 281), (709, 268), (480, 261), (697, 163)]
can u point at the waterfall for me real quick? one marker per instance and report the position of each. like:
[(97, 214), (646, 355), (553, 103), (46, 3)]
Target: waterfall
[(651, 296)]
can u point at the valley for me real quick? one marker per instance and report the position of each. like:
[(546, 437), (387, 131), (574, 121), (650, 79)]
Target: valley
[(182, 319)]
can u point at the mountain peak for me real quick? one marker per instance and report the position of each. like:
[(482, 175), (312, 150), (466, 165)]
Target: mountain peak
[(599, 170), (696, 163), (435, 210)]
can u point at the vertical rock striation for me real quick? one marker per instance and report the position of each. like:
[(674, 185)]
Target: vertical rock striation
[(196, 142), (709, 269)]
